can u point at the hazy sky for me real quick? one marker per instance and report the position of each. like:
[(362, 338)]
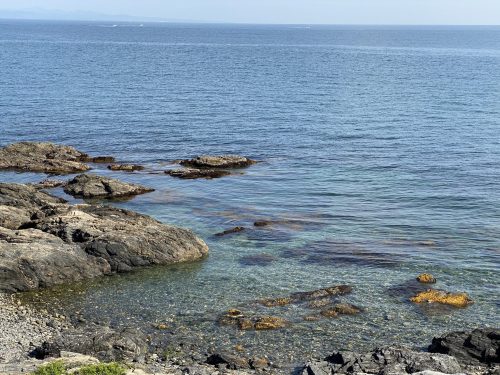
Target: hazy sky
[(284, 11)]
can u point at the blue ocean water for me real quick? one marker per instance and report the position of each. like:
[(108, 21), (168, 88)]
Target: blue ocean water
[(380, 158)]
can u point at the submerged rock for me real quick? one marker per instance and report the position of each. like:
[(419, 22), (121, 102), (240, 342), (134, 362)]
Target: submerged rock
[(193, 173), (386, 360), (93, 186), (446, 298), (44, 241), (273, 302), (230, 231), (125, 167), (426, 278), (44, 157), (262, 259), (237, 318), (337, 290), (470, 348), (218, 161), (340, 309)]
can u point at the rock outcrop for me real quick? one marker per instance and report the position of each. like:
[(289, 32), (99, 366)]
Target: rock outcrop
[(125, 167), (45, 157), (218, 161), (193, 173), (45, 241), (470, 348), (93, 186), (386, 360)]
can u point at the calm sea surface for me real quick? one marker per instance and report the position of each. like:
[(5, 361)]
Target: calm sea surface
[(380, 150)]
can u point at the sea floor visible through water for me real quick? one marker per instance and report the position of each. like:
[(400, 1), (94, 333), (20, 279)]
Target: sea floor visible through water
[(379, 160)]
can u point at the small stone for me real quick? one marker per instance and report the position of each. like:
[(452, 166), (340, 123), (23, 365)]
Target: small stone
[(426, 278)]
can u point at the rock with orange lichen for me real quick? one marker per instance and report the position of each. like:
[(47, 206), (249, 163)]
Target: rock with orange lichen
[(426, 278), (269, 322), (446, 298), (283, 301)]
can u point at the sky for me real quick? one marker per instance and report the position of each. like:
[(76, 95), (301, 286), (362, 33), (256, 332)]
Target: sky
[(420, 12)]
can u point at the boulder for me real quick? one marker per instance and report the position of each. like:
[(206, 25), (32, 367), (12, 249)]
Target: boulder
[(125, 239), (193, 173), (385, 360), (93, 186), (337, 290), (45, 241), (218, 161), (31, 259), (104, 343), (44, 157), (470, 348), (445, 298)]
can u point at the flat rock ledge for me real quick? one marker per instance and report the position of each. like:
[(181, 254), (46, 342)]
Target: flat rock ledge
[(218, 161), (193, 173), (46, 158), (45, 241), (94, 186)]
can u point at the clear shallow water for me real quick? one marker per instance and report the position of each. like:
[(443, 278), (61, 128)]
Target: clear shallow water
[(373, 142)]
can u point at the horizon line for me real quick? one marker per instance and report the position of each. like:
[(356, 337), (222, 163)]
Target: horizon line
[(194, 22)]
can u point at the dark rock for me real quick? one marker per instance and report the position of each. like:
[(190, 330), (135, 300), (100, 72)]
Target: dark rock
[(230, 231), (262, 223), (93, 186), (386, 360), (192, 173), (218, 161), (100, 159), (229, 361), (471, 348), (125, 167), (125, 239), (102, 342), (43, 157), (337, 290), (48, 184)]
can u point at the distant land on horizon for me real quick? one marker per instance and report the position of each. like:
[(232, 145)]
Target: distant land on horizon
[(58, 15)]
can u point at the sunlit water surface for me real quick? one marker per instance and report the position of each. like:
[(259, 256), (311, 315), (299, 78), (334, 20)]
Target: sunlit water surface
[(379, 150)]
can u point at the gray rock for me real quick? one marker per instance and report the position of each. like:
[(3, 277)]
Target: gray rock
[(31, 259), (93, 186), (384, 361), (44, 241), (44, 157), (193, 173), (105, 343), (218, 161), (478, 346)]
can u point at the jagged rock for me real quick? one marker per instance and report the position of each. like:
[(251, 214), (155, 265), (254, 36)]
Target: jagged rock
[(125, 167), (48, 184), (44, 157), (229, 361), (218, 161), (230, 231), (445, 298), (386, 360), (44, 241), (193, 173), (105, 343), (471, 348), (93, 186)]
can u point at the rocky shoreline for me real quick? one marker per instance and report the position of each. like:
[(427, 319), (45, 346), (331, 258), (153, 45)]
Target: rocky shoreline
[(45, 241)]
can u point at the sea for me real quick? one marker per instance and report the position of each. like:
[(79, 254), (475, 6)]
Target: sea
[(378, 152)]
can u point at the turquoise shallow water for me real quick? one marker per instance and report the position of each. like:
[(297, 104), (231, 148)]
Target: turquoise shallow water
[(380, 150)]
